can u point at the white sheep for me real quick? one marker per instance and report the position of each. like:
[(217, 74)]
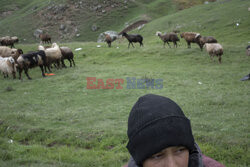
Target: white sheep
[(53, 55), (7, 66), (214, 49)]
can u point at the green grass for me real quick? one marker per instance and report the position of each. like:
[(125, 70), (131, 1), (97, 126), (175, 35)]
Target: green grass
[(56, 121)]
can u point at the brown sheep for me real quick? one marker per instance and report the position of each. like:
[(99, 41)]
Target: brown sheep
[(67, 54), (8, 52), (9, 41), (45, 38), (203, 40), (108, 39), (171, 37), (190, 38)]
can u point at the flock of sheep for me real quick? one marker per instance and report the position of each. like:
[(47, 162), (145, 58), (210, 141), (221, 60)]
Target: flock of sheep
[(210, 43), (13, 60)]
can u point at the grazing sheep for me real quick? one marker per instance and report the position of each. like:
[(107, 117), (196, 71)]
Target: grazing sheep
[(15, 39), (67, 54), (8, 41), (214, 49), (45, 38), (108, 39), (190, 38), (133, 38), (8, 52), (203, 40), (53, 55), (31, 60), (171, 37), (248, 50), (7, 66)]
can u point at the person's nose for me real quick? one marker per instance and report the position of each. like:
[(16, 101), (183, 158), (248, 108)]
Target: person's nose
[(169, 162)]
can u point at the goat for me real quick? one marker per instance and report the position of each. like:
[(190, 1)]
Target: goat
[(133, 38)]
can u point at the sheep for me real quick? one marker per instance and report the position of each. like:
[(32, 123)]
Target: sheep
[(15, 39), (67, 54), (133, 38), (7, 66), (108, 39), (214, 49), (248, 50), (45, 38), (7, 52), (53, 55), (190, 38), (31, 60), (8, 41), (171, 37), (203, 40)]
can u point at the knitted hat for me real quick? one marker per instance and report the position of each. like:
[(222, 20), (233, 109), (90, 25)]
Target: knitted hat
[(155, 123)]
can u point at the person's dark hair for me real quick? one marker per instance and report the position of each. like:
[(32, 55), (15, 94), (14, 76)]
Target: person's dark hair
[(155, 123)]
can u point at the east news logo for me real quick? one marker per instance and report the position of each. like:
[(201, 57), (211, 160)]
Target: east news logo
[(131, 83)]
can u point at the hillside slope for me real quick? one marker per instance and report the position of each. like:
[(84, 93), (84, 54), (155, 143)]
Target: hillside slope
[(79, 20)]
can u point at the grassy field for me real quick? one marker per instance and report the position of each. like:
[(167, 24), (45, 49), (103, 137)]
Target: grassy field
[(57, 121)]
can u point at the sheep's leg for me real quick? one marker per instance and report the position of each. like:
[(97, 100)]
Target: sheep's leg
[(59, 64), (164, 45), (132, 44), (14, 74), (141, 44), (73, 62), (20, 73), (201, 46), (42, 69), (4, 75), (189, 46), (70, 62), (175, 44), (128, 44), (48, 66), (63, 64), (219, 59), (26, 72), (168, 45)]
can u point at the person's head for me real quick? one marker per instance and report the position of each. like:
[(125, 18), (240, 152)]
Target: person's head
[(159, 133)]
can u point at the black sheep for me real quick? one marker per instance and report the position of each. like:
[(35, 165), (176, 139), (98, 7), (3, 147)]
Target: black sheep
[(31, 60), (133, 38)]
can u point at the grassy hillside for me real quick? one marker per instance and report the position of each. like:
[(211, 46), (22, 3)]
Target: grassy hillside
[(216, 19), (56, 121), (25, 16)]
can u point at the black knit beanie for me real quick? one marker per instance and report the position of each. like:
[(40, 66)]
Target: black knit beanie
[(155, 123)]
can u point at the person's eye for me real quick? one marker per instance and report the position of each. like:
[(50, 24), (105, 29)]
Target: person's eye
[(181, 149), (157, 156)]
